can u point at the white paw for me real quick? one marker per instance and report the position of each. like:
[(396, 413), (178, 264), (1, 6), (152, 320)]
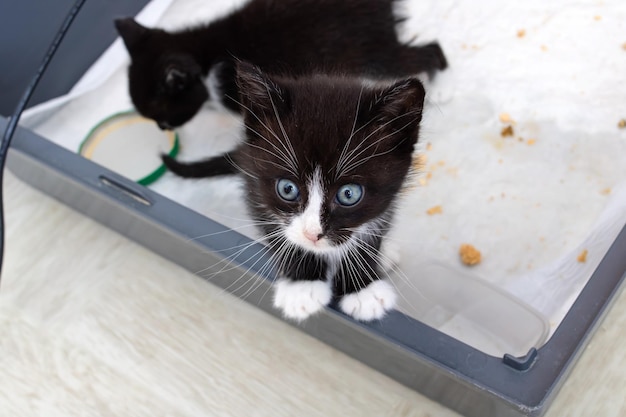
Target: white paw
[(300, 299), (370, 303)]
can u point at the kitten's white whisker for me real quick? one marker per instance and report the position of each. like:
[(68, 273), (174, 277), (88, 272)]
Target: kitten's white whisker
[(375, 131), (237, 228), (359, 150), (379, 257), (280, 155), (364, 126), (286, 252), (250, 268), (281, 167), (347, 144), (364, 265), (229, 260), (285, 255), (358, 106), (351, 272), (282, 127), (341, 273), (410, 113), (358, 162), (344, 158), (382, 232), (374, 255), (295, 165), (228, 266), (239, 168), (253, 114), (348, 275), (261, 240), (259, 277)]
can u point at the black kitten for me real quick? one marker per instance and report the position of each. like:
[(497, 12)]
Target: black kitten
[(169, 72), (324, 159)]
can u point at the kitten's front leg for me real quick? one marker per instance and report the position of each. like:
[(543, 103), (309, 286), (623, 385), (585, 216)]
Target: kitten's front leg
[(366, 296), (305, 290)]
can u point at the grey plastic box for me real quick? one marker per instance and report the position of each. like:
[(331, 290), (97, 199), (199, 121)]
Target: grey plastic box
[(437, 365)]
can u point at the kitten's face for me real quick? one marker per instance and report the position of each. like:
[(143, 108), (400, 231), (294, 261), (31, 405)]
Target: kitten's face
[(326, 157), (165, 85)]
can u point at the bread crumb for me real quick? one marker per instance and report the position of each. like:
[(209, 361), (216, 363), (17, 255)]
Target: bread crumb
[(505, 118), (422, 181), (544, 48), (434, 210), (507, 131), (441, 163), (624, 46), (597, 18), (469, 254), (621, 124), (531, 142), (429, 146), (500, 160), (429, 175), (521, 33), (434, 167), (582, 257), (606, 191)]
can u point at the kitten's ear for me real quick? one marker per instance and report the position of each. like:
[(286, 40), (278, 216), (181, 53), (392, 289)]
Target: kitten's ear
[(402, 101), (256, 90), (398, 110), (132, 33)]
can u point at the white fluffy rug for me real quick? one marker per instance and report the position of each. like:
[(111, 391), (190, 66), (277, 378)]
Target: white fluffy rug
[(531, 202)]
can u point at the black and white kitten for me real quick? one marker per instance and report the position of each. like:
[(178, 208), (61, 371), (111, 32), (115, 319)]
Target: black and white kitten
[(171, 73), (324, 159)]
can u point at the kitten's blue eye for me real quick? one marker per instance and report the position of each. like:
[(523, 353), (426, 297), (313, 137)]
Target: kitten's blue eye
[(287, 190), (349, 194)]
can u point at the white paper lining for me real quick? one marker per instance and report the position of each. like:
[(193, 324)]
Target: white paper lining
[(532, 203)]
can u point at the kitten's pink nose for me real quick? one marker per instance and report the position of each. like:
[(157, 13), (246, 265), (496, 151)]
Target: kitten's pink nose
[(312, 236)]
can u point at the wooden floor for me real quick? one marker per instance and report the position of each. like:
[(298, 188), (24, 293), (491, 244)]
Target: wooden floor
[(92, 324)]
